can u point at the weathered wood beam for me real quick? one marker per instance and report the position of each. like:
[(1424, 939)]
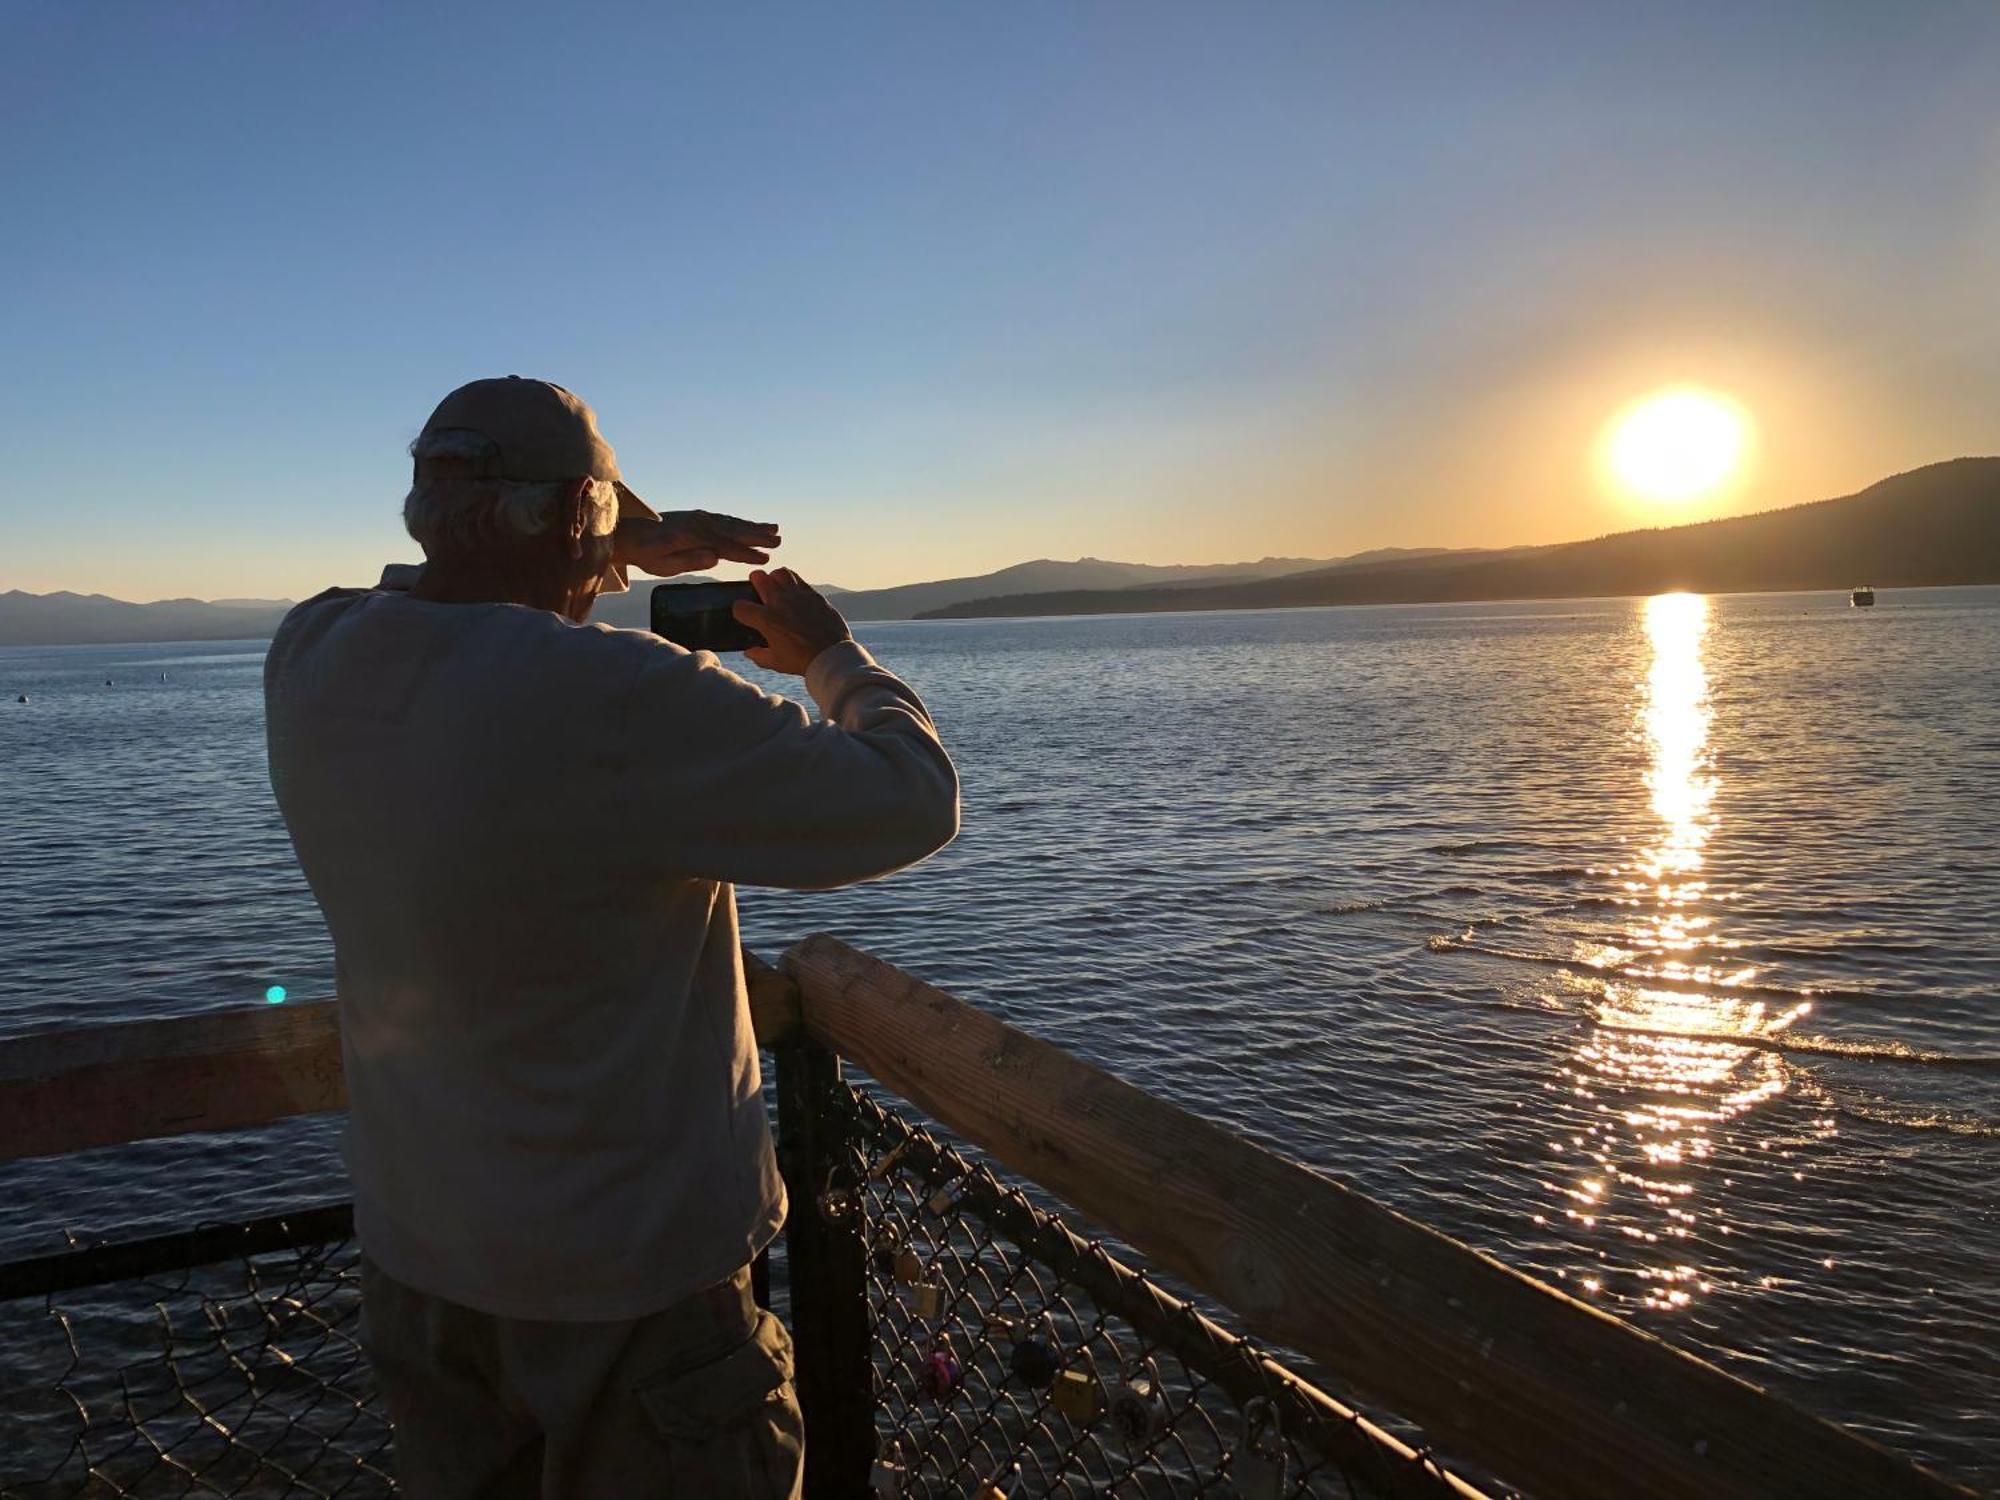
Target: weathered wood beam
[(1553, 1395), (774, 1001), (133, 1080), (218, 1070)]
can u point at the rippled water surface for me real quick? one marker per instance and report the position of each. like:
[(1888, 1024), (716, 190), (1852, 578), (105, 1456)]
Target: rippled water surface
[(1649, 944)]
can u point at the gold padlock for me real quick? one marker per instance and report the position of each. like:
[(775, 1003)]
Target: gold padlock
[(887, 1164), (1076, 1395), (927, 1298), (909, 1266)]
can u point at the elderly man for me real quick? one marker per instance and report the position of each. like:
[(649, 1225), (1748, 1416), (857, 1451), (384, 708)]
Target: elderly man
[(524, 832)]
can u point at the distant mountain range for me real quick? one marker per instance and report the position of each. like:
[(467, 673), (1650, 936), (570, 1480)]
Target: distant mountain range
[(79, 619), (1936, 525), (66, 619), (909, 600)]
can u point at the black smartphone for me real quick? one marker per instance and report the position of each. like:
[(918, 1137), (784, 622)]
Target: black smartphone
[(697, 616)]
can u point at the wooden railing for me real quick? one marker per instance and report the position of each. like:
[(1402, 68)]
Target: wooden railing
[(228, 1069), (1553, 1395)]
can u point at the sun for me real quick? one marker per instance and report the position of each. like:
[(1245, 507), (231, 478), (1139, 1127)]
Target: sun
[(1676, 445)]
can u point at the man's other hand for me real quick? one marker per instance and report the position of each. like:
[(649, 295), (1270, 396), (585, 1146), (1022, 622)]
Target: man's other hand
[(687, 541), (793, 617)]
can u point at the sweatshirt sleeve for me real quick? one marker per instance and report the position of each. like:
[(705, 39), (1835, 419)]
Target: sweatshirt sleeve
[(734, 784)]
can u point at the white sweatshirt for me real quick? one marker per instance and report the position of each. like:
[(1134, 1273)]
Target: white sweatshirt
[(523, 834)]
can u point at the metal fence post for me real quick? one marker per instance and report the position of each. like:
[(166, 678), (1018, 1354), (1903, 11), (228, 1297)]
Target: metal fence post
[(827, 1269)]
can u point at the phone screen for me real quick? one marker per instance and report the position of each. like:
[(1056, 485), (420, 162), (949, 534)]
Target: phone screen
[(697, 616)]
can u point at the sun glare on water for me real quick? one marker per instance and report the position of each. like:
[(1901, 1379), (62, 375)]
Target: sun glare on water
[(1676, 445)]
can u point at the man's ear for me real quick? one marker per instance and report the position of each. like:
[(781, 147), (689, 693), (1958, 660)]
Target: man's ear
[(576, 514)]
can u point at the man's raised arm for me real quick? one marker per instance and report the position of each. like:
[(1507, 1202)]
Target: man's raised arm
[(737, 785)]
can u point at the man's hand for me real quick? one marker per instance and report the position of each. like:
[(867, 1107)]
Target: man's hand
[(793, 617), (687, 541)]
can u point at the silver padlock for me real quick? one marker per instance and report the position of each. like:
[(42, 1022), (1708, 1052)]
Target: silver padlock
[(1261, 1467), (927, 1300), (1137, 1409), (885, 1479)]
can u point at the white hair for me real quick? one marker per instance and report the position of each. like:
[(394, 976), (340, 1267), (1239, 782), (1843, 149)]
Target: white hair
[(455, 508)]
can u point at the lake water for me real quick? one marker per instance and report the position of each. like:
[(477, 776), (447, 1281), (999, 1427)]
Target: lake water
[(1652, 945)]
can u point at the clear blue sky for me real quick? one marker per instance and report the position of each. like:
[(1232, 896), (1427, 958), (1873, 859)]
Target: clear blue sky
[(941, 286)]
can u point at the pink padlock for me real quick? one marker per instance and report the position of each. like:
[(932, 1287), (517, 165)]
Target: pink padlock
[(941, 1376)]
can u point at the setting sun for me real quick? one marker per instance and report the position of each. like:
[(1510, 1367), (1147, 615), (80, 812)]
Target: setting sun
[(1677, 444)]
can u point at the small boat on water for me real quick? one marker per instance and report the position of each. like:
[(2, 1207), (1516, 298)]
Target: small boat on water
[(1862, 598)]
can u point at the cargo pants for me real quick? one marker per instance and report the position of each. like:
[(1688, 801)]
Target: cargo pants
[(693, 1401)]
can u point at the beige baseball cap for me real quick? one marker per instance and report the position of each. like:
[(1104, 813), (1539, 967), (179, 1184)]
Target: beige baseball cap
[(543, 432)]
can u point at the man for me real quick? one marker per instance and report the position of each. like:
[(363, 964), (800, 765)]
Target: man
[(524, 832)]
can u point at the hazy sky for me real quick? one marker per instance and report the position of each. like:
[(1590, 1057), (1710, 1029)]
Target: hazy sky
[(942, 286)]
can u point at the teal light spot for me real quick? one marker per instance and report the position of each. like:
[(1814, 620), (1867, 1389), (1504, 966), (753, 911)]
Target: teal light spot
[(275, 995)]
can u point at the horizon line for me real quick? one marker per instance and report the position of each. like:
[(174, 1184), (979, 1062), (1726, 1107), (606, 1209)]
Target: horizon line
[(244, 601)]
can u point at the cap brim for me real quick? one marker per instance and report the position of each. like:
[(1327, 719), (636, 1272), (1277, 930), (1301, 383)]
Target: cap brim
[(631, 507)]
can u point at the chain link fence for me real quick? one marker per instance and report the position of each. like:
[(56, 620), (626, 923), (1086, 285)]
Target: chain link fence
[(215, 1362), (1005, 1351), (1011, 1354)]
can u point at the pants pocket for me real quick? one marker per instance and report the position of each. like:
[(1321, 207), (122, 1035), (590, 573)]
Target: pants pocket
[(732, 1426)]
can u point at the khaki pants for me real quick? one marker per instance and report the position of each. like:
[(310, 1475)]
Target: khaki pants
[(694, 1401)]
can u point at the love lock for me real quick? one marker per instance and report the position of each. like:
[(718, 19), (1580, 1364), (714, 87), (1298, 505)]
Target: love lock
[(927, 1300), (907, 1266), (887, 1251), (885, 1478), (888, 1162), (1075, 1394), (1138, 1410), (1260, 1468), (1032, 1356), (839, 1201), (941, 1376)]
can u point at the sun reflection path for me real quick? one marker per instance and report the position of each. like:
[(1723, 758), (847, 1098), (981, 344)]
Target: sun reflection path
[(1659, 1072)]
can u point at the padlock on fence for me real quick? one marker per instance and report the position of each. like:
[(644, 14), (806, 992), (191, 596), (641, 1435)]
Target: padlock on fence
[(1076, 1395), (1032, 1356), (885, 1478), (839, 1198), (939, 1375), (1138, 1409), (1260, 1468), (927, 1300), (996, 1487), (888, 1162), (886, 1250), (926, 1296), (1035, 1359)]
